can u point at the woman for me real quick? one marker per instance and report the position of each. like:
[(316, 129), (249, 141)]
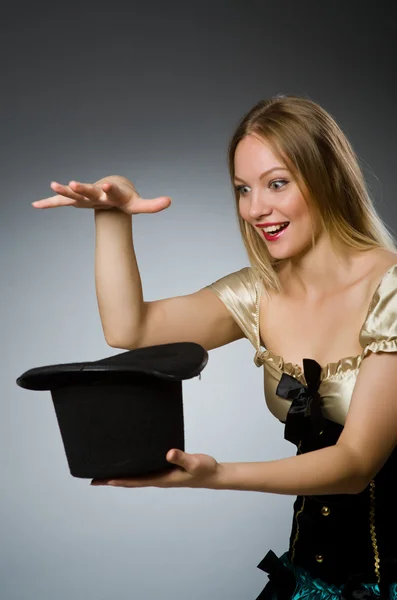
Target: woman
[(319, 304)]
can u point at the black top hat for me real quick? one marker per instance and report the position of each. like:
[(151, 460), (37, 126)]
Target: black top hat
[(120, 415)]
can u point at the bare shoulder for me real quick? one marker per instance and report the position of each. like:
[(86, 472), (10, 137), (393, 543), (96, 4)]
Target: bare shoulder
[(378, 262)]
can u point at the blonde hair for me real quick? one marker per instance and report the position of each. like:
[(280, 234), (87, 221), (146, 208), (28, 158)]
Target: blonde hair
[(322, 161)]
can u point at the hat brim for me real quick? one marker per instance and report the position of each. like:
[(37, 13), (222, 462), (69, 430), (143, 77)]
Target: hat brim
[(176, 361)]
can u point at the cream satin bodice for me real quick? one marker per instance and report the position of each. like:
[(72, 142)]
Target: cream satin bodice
[(240, 292)]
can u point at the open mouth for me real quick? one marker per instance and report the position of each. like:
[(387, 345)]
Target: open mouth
[(274, 233)]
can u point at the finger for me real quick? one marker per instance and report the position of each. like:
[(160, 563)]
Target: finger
[(113, 193), (172, 455), (174, 478), (65, 190), (130, 482), (182, 459), (153, 205), (141, 481), (54, 201), (86, 190)]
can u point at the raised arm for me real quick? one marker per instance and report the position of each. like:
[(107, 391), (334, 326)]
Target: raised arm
[(128, 321)]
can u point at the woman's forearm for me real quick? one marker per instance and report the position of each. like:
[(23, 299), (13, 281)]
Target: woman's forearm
[(117, 279), (331, 470)]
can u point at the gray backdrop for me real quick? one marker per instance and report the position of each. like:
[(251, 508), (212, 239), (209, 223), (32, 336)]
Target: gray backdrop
[(153, 91)]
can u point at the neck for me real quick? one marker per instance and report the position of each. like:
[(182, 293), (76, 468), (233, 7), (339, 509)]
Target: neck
[(320, 270)]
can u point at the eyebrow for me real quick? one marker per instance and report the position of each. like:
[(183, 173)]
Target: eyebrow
[(265, 173)]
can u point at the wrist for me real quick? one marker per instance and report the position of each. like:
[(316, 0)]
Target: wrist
[(219, 480)]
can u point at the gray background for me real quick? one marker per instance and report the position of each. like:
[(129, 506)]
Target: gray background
[(153, 91)]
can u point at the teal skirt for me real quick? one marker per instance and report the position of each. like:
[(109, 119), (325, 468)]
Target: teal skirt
[(309, 588)]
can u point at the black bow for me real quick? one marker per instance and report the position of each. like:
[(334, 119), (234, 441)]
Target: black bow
[(282, 581), (306, 402)]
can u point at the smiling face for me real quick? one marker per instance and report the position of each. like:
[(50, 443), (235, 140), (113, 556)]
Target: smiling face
[(268, 194)]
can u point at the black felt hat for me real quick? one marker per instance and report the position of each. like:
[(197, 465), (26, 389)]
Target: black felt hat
[(120, 415)]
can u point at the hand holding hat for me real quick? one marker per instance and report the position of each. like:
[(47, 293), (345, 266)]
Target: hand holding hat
[(195, 471), (119, 416)]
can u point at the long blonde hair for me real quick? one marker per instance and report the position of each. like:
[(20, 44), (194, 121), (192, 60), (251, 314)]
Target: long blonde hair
[(322, 161)]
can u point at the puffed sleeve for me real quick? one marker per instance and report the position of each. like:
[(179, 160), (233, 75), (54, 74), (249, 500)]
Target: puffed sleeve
[(239, 292), (379, 331)]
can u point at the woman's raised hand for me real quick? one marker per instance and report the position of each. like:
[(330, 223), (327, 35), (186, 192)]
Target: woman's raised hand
[(109, 192)]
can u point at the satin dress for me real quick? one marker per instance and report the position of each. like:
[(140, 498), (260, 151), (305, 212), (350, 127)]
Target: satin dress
[(342, 546)]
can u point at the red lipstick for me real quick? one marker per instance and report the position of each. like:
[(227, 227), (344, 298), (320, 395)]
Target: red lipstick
[(271, 223), (271, 237)]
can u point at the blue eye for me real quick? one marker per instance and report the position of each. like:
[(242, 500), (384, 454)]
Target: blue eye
[(239, 188), (283, 182), (278, 181)]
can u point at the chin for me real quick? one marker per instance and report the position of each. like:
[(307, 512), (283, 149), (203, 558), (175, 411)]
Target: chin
[(286, 253), (280, 255)]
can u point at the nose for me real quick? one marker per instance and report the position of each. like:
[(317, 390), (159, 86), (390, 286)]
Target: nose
[(259, 206)]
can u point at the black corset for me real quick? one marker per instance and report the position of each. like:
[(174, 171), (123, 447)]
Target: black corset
[(343, 539)]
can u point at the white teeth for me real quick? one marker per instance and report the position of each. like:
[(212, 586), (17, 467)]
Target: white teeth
[(273, 228)]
